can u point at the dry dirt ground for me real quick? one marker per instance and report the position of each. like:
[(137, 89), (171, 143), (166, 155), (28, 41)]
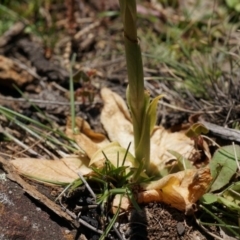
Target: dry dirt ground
[(23, 217), (42, 74)]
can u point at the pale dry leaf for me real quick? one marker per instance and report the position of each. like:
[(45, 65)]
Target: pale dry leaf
[(162, 141), (47, 171), (77, 163), (116, 121), (64, 170), (32, 191)]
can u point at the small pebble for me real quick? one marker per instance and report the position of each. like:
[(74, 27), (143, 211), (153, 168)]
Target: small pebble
[(67, 231), (124, 228), (180, 228)]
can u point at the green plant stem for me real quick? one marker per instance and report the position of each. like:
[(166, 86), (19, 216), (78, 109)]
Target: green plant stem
[(137, 99)]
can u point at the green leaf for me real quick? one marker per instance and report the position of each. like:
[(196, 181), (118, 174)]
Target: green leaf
[(76, 184), (230, 150), (232, 193), (132, 199), (223, 166), (142, 138), (229, 204), (196, 130), (152, 112), (209, 198), (183, 162)]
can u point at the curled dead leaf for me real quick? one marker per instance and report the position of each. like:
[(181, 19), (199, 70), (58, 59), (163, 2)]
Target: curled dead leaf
[(181, 190), (117, 123), (85, 128), (86, 138)]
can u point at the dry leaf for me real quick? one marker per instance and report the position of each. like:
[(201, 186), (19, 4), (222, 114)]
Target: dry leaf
[(162, 141), (65, 170), (77, 163), (85, 128), (57, 172), (116, 121), (181, 190), (112, 151), (87, 139)]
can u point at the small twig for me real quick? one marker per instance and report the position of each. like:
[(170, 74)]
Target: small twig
[(34, 134), (89, 226), (37, 143), (225, 133), (116, 230), (207, 231), (7, 99), (190, 111), (74, 216), (84, 20), (64, 190), (60, 88), (87, 186), (107, 63), (91, 206), (71, 89), (228, 115), (13, 32)]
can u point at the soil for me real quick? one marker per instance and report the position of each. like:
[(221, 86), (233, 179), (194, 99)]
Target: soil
[(42, 75), (23, 217)]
